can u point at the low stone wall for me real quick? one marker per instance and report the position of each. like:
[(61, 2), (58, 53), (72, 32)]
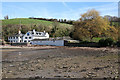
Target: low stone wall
[(19, 44), (88, 44)]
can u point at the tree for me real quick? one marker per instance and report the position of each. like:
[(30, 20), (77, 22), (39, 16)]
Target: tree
[(54, 28), (65, 20), (90, 25), (9, 30), (25, 29), (6, 17)]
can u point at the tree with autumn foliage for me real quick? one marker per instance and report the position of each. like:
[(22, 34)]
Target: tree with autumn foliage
[(91, 25)]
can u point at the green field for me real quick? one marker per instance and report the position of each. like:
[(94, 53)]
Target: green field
[(11, 26), (95, 39), (28, 22), (116, 23)]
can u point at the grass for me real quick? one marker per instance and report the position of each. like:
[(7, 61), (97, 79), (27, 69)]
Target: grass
[(115, 23), (96, 39), (26, 21)]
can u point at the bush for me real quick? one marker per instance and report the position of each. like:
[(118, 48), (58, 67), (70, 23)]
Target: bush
[(109, 42), (106, 42), (84, 42), (101, 43), (118, 44)]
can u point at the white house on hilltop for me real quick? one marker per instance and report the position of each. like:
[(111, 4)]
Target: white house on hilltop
[(30, 35)]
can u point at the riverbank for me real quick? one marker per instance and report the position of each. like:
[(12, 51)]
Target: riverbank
[(60, 62)]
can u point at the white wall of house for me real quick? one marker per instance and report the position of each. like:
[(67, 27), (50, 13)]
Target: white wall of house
[(40, 37), (47, 42), (13, 39), (19, 39), (27, 38)]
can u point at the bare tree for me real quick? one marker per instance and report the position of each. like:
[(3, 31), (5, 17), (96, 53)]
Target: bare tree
[(6, 17)]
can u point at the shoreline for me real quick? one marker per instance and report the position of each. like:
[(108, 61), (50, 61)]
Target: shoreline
[(53, 47), (75, 62)]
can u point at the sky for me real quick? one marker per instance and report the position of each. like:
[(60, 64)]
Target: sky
[(58, 10)]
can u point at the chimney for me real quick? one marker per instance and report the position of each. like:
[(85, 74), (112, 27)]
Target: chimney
[(19, 32), (34, 31)]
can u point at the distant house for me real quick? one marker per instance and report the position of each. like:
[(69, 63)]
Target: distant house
[(37, 38), (48, 42), (30, 35), (58, 41)]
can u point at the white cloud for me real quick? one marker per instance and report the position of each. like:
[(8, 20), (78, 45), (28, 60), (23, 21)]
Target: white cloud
[(106, 9), (65, 5)]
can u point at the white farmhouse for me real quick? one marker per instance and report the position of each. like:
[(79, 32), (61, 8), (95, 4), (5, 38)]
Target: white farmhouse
[(16, 38), (30, 35)]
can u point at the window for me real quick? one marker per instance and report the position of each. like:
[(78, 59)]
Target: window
[(25, 41), (28, 34), (16, 37), (29, 37), (39, 33), (28, 40), (25, 37)]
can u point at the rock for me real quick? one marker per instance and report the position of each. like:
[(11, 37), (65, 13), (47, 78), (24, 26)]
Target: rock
[(19, 54), (83, 70), (11, 65), (9, 72), (14, 73), (97, 68), (64, 67), (58, 76), (38, 77), (32, 69), (91, 74)]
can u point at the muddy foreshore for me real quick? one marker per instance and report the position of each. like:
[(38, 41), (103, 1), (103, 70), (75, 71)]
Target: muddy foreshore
[(60, 62)]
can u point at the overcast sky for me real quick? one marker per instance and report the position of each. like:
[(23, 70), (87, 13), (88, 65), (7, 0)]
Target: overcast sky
[(59, 10)]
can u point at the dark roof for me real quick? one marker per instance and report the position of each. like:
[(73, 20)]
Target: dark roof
[(43, 34), (16, 35), (39, 39), (50, 39)]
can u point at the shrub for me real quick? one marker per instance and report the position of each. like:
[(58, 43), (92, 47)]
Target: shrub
[(101, 43), (84, 42), (106, 42), (118, 44), (109, 42)]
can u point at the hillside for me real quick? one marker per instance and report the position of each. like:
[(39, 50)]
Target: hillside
[(115, 23), (26, 21), (55, 29)]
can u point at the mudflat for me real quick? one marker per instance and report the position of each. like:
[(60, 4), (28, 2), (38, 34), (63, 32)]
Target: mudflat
[(60, 62)]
